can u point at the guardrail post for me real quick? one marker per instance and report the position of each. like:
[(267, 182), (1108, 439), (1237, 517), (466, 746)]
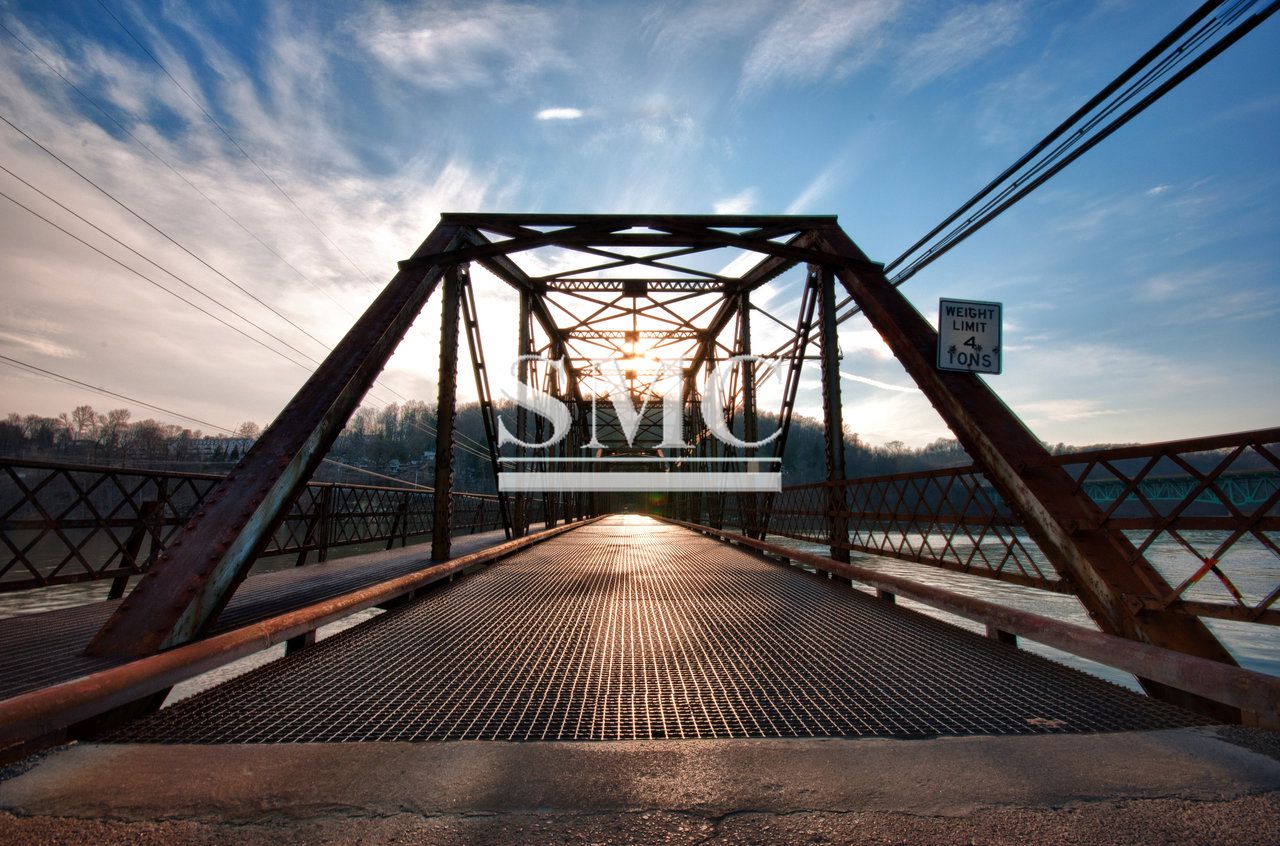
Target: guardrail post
[(998, 634), (400, 523), (146, 525), (446, 406), (317, 528)]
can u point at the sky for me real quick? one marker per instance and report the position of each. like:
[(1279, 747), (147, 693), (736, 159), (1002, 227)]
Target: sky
[(1141, 287)]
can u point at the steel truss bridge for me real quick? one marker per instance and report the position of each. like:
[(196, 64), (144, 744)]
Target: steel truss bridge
[(601, 299), (602, 624)]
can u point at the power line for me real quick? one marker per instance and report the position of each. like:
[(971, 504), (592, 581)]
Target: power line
[(169, 238), (59, 377), (122, 205), (235, 143), (97, 105), (1040, 165), (151, 281), (33, 370), (156, 229), (154, 264), (170, 273)]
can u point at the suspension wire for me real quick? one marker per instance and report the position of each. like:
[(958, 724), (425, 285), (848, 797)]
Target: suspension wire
[(431, 431), (156, 264), (1081, 141), (233, 141), (97, 105), (1077, 115), (178, 296)]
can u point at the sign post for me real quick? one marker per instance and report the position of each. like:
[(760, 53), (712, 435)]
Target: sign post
[(969, 333)]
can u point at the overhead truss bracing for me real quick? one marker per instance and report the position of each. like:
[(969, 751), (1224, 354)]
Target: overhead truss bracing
[(620, 297)]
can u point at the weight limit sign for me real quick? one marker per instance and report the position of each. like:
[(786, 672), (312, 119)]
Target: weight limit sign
[(969, 336)]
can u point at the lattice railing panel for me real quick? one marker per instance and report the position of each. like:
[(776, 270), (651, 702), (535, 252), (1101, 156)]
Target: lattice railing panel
[(63, 523)]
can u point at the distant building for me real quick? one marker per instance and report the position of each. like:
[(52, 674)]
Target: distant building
[(207, 448)]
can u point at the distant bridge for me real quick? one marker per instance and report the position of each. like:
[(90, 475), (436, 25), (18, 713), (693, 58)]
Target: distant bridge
[(1243, 490)]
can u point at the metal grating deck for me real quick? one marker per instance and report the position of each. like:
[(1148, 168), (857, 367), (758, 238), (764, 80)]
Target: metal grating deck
[(46, 648), (634, 629)]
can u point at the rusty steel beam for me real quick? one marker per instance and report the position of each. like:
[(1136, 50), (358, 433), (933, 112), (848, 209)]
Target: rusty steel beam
[(1109, 577), (750, 419), (446, 411), (195, 577), (638, 221), (524, 347), (832, 413), (488, 414)]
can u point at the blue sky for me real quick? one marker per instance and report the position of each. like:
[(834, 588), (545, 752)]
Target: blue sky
[(1141, 286)]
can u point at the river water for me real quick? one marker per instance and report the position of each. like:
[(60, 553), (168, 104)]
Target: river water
[(1253, 568)]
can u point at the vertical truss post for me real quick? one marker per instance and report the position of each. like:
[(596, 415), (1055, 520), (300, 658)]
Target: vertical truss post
[(832, 414), (1111, 579), (804, 328), (446, 408), (750, 424), (471, 322), (524, 346)]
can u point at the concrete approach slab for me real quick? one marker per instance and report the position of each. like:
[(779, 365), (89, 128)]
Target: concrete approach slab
[(1187, 785)]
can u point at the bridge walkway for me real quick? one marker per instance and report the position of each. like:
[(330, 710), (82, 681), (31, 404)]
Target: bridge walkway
[(630, 629), (46, 648)]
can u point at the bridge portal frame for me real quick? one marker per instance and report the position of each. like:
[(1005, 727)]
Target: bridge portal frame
[(192, 581)]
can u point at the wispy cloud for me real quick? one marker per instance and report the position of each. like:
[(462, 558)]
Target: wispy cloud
[(876, 383), (813, 39), (208, 370), (1065, 410), (446, 46), (964, 36), (1231, 291), (820, 186), (559, 113), (741, 203)]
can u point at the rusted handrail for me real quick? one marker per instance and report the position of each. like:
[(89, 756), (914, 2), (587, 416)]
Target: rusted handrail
[(64, 523), (1198, 498)]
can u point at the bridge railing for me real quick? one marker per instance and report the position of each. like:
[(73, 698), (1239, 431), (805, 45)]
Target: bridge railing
[(1204, 512), (66, 523)]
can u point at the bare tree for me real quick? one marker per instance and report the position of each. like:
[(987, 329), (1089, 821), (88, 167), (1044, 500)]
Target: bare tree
[(111, 427), (248, 429), (86, 420)]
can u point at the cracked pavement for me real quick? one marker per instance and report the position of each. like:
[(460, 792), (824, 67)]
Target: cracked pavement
[(1193, 785)]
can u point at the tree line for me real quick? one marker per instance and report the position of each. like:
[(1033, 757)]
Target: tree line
[(85, 434), (399, 441)]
